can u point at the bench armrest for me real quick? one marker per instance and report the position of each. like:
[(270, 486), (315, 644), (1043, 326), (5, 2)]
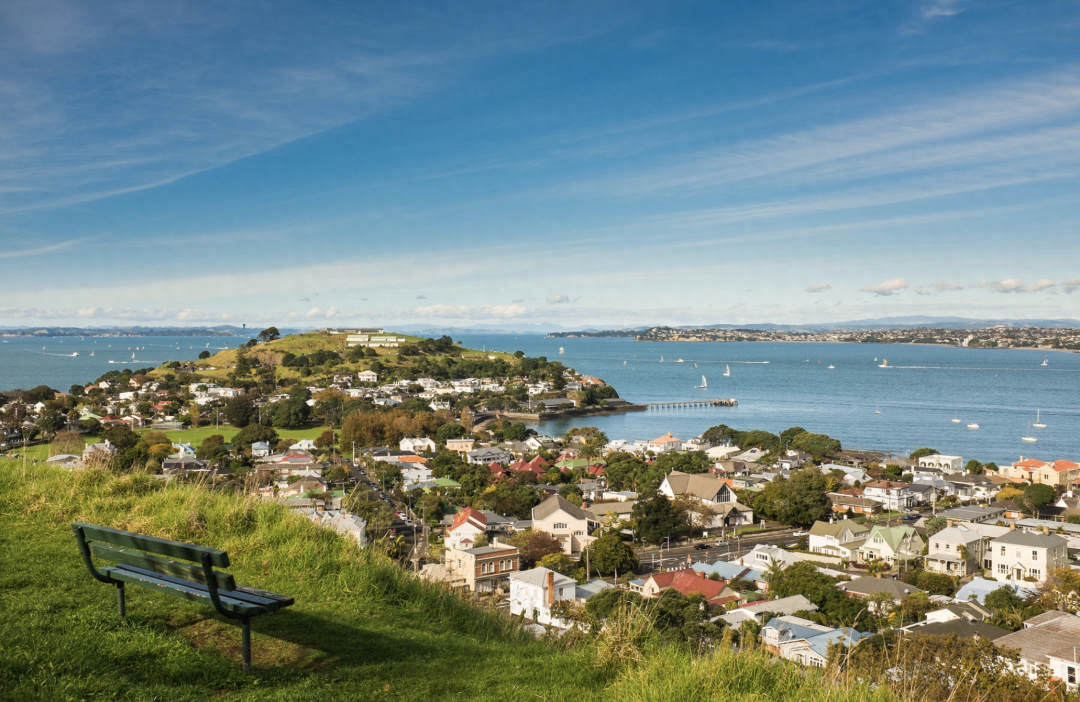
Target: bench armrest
[(84, 549), (212, 589)]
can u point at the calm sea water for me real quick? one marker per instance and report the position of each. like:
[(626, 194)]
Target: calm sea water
[(924, 388), (28, 362)]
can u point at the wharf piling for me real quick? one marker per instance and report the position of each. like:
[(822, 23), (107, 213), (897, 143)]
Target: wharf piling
[(693, 403)]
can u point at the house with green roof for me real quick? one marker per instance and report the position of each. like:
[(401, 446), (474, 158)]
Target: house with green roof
[(895, 544)]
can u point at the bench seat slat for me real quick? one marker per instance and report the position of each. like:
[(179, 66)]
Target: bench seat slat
[(163, 566), (284, 600), (163, 547), (267, 601), (183, 589)]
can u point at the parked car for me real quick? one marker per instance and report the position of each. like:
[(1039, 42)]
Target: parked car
[(699, 547), (800, 533), (911, 517)]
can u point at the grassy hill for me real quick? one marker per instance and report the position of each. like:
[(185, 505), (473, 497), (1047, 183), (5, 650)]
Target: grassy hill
[(361, 628), (272, 352)]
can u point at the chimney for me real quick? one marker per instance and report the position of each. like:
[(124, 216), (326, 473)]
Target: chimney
[(879, 576), (1046, 530), (1012, 526), (949, 522), (550, 597)]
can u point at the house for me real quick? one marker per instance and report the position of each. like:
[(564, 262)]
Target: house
[(956, 550), (611, 512), (852, 500), (417, 445), (1010, 509), (961, 628), (480, 569), (803, 641), (1047, 647), (468, 524), (1069, 504), (974, 515), (722, 453), (460, 445), (967, 611), (755, 611), (298, 488), (304, 445), (1057, 473), (716, 592), (565, 521), (66, 460), (1023, 555), (485, 455), (867, 586), (946, 464), (182, 466), (717, 497), (658, 582), (414, 472), (841, 538), (664, 444), (260, 449), (350, 525), (101, 451), (973, 487), (891, 544), (891, 495), (367, 376), (763, 555), (533, 594), (979, 588), (793, 459)]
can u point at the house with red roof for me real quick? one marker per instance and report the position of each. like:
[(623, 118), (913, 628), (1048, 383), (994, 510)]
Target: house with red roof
[(497, 471), (716, 592), (468, 524), (1024, 469)]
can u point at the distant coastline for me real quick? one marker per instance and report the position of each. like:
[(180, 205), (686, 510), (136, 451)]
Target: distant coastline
[(113, 332)]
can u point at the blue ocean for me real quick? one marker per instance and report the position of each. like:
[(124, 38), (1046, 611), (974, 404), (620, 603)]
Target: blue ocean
[(778, 385)]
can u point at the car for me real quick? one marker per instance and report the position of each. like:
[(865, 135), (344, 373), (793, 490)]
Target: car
[(800, 533), (699, 547), (911, 517), (721, 542)]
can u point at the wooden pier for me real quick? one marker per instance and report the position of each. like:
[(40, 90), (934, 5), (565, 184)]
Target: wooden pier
[(693, 403)]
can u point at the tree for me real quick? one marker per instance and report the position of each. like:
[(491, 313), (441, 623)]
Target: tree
[(817, 445), (239, 411), (558, 562), (974, 467), (533, 545), (254, 433), (1003, 599), (203, 355), (52, 422), (325, 440), (291, 413), (655, 518), (69, 442), (935, 525), (365, 503), (449, 431), (1037, 496), (1062, 589), (924, 451), (609, 554), (269, 334), (123, 438), (212, 448)]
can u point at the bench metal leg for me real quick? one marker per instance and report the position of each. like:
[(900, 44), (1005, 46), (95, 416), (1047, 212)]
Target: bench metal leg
[(120, 604), (245, 629)]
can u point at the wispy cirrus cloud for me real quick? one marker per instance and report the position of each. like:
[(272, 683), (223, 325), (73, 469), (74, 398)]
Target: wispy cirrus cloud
[(889, 287), (938, 287), (820, 287), (558, 299), (1070, 286)]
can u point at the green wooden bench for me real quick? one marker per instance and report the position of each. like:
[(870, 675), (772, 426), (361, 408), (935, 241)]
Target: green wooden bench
[(190, 582)]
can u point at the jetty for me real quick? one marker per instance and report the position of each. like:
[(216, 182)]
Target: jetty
[(693, 403)]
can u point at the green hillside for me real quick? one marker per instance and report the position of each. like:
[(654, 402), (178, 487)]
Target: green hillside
[(361, 628)]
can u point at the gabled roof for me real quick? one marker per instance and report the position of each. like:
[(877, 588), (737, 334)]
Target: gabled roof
[(666, 439), (837, 528), (1060, 465), (1038, 641), (1029, 464), (885, 484), (893, 535), (537, 577), (701, 485), (664, 580), (715, 591), (869, 586), (555, 503), (1033, 540), (470, 515)]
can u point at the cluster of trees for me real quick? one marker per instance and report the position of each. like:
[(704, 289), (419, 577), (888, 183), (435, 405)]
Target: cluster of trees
[(819, 446), (798, 501), (1030, 498)]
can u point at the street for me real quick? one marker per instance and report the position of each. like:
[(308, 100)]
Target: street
[(653, 559)]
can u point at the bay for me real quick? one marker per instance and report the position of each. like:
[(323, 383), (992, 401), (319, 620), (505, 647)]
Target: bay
[(27, 362), (779, 385)]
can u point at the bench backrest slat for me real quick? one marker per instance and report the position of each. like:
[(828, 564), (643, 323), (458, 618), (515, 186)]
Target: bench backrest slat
[(160, 565), (152, 544)]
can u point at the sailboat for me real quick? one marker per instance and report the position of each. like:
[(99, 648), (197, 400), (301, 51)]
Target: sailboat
[(680, 361), (1038, 422), (884, 363), (877, 410), (561, 350), (624, 363), (1029, 438), (661, 359), (695, 366), (91, 353), (727, 371), (1046, 362), (955, 419), (704, 384), (973, 425), (831, 366)]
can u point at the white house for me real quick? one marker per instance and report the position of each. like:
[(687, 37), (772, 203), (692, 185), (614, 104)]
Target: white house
[(367, 376), (468, 524), (889, 494), (717, 497), (418, 445), (567, 522), (957, 551), (1022, 554), (304, 445), (260, 449), (533, 593), (1047, 646), (665, 444), (722, 453), (842, 538), (946, 464)]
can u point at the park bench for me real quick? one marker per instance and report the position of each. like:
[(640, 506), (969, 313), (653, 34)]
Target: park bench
[(172, 577)]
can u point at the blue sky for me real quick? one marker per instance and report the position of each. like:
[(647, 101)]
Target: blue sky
[(580, 164)]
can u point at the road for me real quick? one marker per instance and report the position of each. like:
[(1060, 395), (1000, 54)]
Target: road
[(685, 555)]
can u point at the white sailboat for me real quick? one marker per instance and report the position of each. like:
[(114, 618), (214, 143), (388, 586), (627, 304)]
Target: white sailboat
[(680, 361), (955, 419), (561, 350), (1029, 438), (1038, 422), (1046, 362), (884, 363), (727, 371), (624, 363), (972, 425), (877, 410), (91, 353), (695, 366), (831, 366), (704, 384), (661, 359)]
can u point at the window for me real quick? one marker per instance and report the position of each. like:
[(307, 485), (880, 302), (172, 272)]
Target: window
[(1070, 675), (1018, 556), (1035, 573), (1034, 555), (937, 546), (1003, 569), (559, 526), (1002, 550), (579, 533)]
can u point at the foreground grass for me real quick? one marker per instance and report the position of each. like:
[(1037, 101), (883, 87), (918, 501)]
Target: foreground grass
[(361, 628)]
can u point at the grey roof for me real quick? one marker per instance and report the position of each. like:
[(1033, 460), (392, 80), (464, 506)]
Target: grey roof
[(488, 550), (972, 513), (783, 605), (538, 577), (1052, 636), (869, 586), (553, 504), (1027, 538), (962, 628)]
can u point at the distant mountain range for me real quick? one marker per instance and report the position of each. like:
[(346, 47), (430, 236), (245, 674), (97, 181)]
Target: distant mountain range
[(222, 330), (918, 322)]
